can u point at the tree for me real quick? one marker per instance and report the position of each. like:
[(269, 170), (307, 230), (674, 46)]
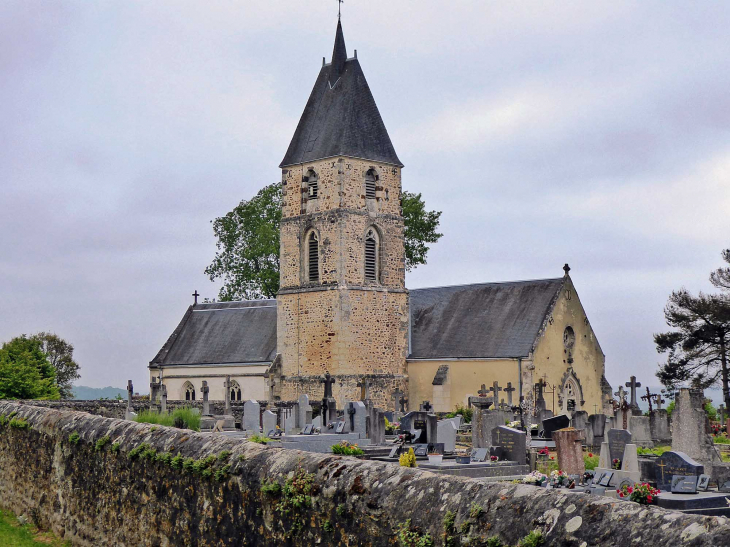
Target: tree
[(247, 259), (25, 372), (698, 349), (60, 354)]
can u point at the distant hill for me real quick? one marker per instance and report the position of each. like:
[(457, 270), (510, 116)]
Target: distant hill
[(84, 393)]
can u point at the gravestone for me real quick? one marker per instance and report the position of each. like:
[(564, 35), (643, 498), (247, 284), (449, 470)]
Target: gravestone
[(446, 433), (569, 445), (290, 422), (329, 404), (483, 421), (357, 416), (479, 454), (308, 429), (640, 428), (659, 426), (580, 420), (163, 399), (675, 463), (617, 441), (604, 460), (317, 422), (251, 416), (513, 443), (340, 427), (227, 388), (304, 411), (553, 424), (721, 475), (268, 421), (634, 405), (703, 483), (691, 429), (595, 428), (682, 484), (421, 424)]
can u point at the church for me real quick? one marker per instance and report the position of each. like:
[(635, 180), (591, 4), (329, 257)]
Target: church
[(343, 306)]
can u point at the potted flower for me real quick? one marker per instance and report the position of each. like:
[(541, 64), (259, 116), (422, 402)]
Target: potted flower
[(558, 477), (536, 478), (493, 458), (616, 464), (543, 453), (435, 458), (641, 493)]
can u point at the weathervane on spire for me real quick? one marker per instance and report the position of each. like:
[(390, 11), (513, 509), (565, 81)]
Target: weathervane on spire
[(339, 8)]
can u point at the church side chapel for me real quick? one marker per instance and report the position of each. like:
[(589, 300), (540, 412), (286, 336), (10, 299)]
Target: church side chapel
[(343, 307)]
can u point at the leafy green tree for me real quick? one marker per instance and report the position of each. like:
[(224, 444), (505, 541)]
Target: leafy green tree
[(247, 259), (60, 354), (25, 372), (698, 349)]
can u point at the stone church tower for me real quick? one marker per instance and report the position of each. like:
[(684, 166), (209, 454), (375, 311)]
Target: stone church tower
[(342, 305)]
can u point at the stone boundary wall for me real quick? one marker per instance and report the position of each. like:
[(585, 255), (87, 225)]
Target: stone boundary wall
[(91, 481), (112, 408)]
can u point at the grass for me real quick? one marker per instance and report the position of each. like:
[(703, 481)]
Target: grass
[(591, 462), (721, 439), (657, 450), (190, 419), (13, 534)]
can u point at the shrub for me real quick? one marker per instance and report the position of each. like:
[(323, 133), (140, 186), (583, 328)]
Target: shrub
[(475, 511), (408, 459), (412, 538), (115, 447), (74, 438), (721, 439), (182, 418), (271, 488), (341, 510), (137, 450), (533, 539), (19, 423), (297, 492), (224, 455), (327, 526), (466, 413), (222, 473), (3, 420), (164, 458), (176, 462), (449, 519), (346, 449), (259, 439), (494, 541), (101, 443)]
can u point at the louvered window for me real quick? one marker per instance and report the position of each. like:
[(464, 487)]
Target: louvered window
[(313, 257), (371, 255), (312, 181), (371, 177)]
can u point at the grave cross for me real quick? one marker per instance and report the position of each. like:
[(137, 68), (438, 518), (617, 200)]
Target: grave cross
[(633, 384), (402, 402), (659, 401), (426, 406), (648, 398), (483, 391), (396, 398), (662, 466), (623, 406), (205, 390), (364, 386), (328, 381), (196, 295), (509, 389), (595, 409), (495, 389), (153, 390), (227, 389)]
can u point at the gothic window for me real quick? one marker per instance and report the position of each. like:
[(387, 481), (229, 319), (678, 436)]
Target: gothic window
[(312, 255), (312, 180), (371, 177), (189, 391), (371, 255), (235, 391)]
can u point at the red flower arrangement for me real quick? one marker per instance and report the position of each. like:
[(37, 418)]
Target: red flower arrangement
[(590, 454), (616, 463), (640, 493), (544, 451), (493, 458)]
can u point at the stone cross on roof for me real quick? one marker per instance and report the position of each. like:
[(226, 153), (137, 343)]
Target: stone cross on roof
[(633, 384), (509, 389), (328, 382), (495, 389)]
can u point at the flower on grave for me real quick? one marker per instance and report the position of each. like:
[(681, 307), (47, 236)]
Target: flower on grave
[(535, 477), (544, 451), (590, 454), (616, 464), (493, 458), (641, 493), (552, 457)]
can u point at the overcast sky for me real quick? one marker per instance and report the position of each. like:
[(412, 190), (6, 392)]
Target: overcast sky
[(594, 133)]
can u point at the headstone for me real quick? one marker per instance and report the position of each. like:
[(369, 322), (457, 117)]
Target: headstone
[(329, 404), (580, 419), (304, 411), (553, 424), (495, 389), (421, 451), (376, 426), (357, 415), (308, 429), (394, 451), (682, 484), (129, 414), (617, 441), (691, 429), (483, 421), (640, 428), (509, 389), (513, 443), (675, 463), (606, 479), (426, 406), (206, 405), (251, 416), (569, 445), (317, 422), (340, 427), (479, 454), (595, 429), (659, 426), (630, 459), (604, 460), (269, 421), (721, 475), (446, 433), (290, 422), (703, 483)]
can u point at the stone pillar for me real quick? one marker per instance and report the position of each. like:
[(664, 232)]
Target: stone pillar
[(206, 405), (604, 460), (569, 444), (129, 413), (227, 387), (163, 399)]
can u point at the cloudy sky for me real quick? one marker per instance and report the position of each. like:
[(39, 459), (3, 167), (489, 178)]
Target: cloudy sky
[(594, 133)]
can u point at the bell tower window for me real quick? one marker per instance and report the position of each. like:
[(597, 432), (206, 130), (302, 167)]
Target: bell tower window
[(371, 177), (371, 255), (312, 257), (312, 180)]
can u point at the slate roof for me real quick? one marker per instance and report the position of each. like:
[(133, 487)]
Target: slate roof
[(489, 320), (223, 332), (341, 117)]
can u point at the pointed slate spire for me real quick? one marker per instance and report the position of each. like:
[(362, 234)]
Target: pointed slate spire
[(339, 53)]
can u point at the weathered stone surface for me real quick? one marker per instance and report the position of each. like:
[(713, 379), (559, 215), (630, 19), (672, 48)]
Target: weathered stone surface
[(269, 422), (691, 429), (251, 416), (569, 445), (146, 502), (640, 431), (659, 426), (617, 441), (484, 421), (446, 433)]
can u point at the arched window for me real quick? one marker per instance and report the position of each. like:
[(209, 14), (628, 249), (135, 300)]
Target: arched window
[(371, 255), (371, 177), (188, 391), (312, 262), (235, 391), (312, 180)]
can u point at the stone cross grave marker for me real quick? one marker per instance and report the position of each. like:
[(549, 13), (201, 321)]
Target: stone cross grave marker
[(153, 390), (227, 389), (513, 443), (396, 398), (633, 384), (130, 392), (509, 389), (364, 385), (357, 415), (617, 441), (403, 401), (495, 389), (328, 382), (540, 397), (659, 401), (623, 405), (483, 391), (206, 404), (426, 406)]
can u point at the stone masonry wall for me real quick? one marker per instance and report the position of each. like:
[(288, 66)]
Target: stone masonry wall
[(64, 474)]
